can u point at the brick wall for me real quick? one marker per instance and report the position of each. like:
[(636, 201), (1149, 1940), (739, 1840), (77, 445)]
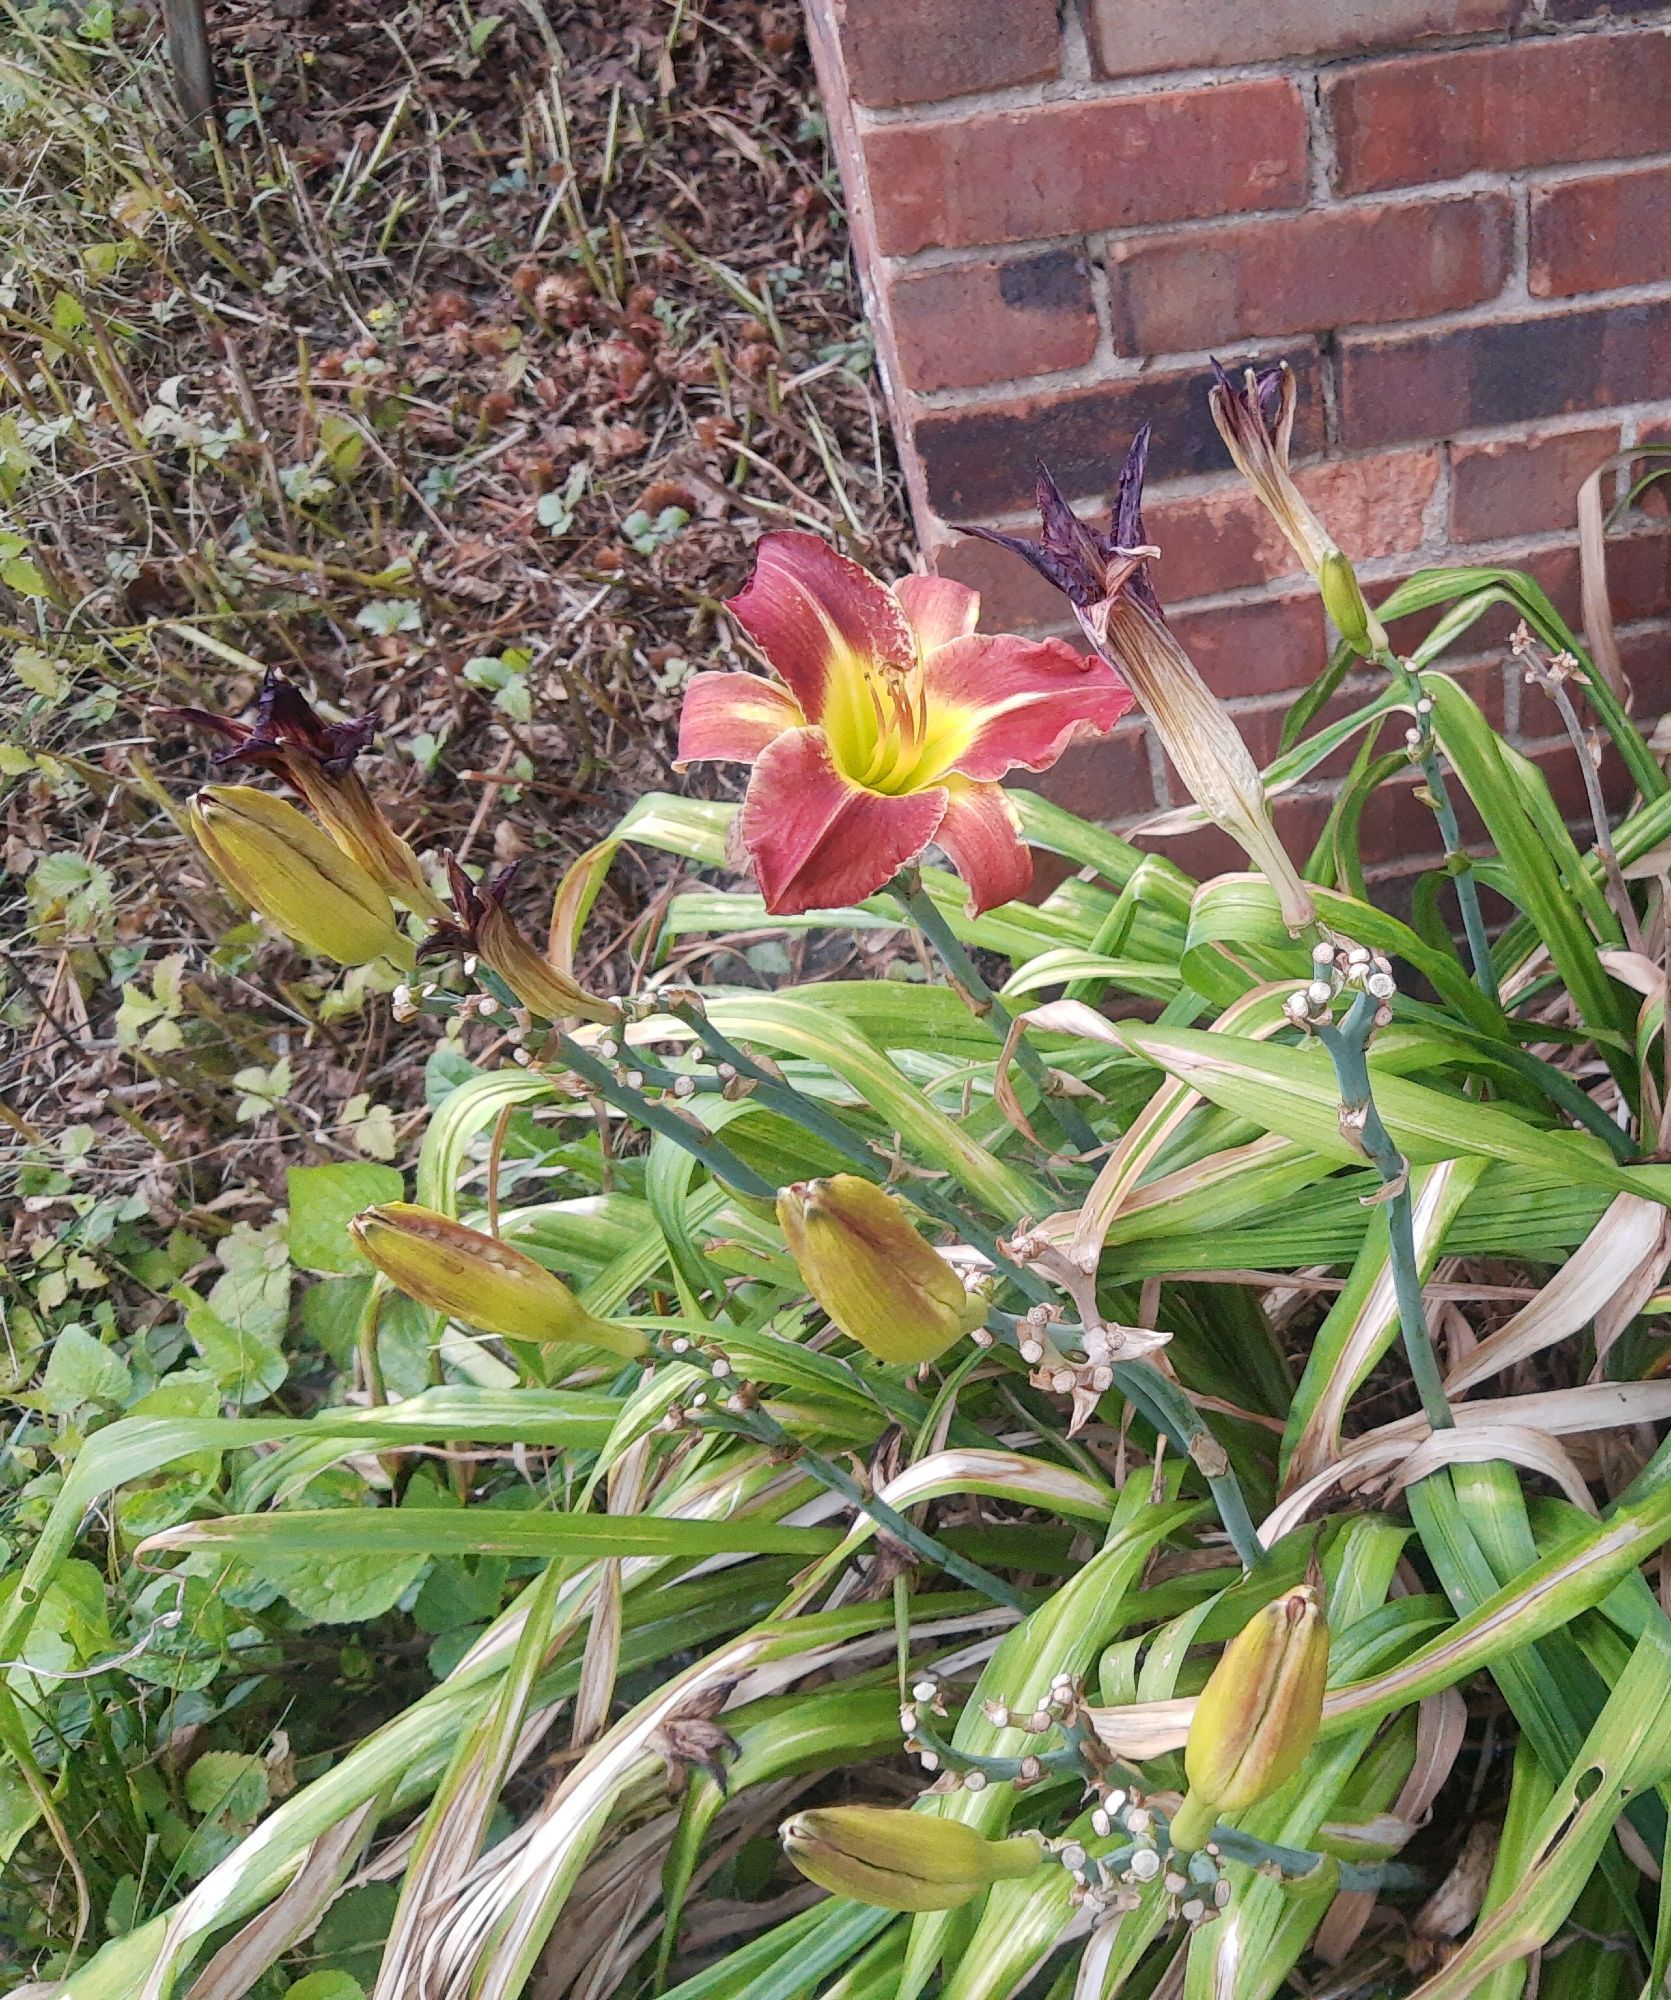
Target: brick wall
[(1453, 217)]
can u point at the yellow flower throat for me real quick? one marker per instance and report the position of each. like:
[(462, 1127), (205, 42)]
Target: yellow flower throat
[(883, 731)]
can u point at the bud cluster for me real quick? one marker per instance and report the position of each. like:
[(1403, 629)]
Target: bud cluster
[(1418, 739), (1339, 968), (736, 1396)]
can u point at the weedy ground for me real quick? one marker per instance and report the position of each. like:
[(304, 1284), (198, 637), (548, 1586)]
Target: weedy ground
[(455, 375)]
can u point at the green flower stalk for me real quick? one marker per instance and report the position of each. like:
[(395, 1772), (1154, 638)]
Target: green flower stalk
[(480, 1279), (1258, 1715), (273, 856), (872, 1273), (899, 1860)]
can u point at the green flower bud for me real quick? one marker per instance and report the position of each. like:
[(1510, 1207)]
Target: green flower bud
[(901, 1860), (1343, 600), (480, 1279), (1257, 1717), (872, 1273), (273, 856)]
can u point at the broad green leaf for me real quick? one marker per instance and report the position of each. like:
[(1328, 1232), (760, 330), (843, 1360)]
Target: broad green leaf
[(323, 1200)]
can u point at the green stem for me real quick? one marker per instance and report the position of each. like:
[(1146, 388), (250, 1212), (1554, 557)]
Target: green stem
[(767, 1430), (921, 908), (1299, 1864), (800, 1109), (1348, 1047), (1171, 1412), (1458, 862), (702, 1146), (779, 1092)]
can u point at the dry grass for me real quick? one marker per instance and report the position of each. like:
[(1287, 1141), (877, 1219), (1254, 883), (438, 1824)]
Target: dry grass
[(455, 378)]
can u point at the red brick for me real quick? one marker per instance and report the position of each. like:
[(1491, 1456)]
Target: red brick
[(979, 461), (1221, 539), (1014, 597), (1267, 646), (1597, 10), (1104, 780), (1596, 231), (1325, 268), (1645, 655), (915, 51), (1509, 105), (1224, 539), (1110, 163), (1135, 37), (1523, 485), (1447, 379), (960, 326)]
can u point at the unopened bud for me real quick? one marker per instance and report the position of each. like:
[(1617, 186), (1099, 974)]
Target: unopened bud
[(872, 1273), (272, 855), (1258, 1715), (479, 1279), (898, 1860), (1343, 600)]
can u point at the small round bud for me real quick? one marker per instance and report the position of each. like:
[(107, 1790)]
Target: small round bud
[(974, 1781), (1319, 993), (1145, 1864), (1073, 1856)]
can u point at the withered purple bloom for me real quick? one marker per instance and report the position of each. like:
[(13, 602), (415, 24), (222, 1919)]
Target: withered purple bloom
[(1105, 577), (316, 758), (287, 729), (1084, 565), (482, 925)]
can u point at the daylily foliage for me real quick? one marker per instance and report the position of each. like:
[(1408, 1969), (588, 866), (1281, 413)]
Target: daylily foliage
[(928, 1415)]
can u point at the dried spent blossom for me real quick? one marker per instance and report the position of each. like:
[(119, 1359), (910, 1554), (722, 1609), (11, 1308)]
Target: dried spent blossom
[(482, 925), (316, 758), (1256, 421), (1106, 579)]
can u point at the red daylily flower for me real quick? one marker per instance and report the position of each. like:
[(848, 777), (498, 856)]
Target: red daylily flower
[(889, 727)]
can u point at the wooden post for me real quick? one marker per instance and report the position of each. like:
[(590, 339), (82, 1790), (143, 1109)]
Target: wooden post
[(188, 52)]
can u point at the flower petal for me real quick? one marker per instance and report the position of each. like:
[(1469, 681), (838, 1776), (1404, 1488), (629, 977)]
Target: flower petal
[(981, 835), (1002, 701), (818, 840), (812, 612), (938, 609), (732, 717)]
